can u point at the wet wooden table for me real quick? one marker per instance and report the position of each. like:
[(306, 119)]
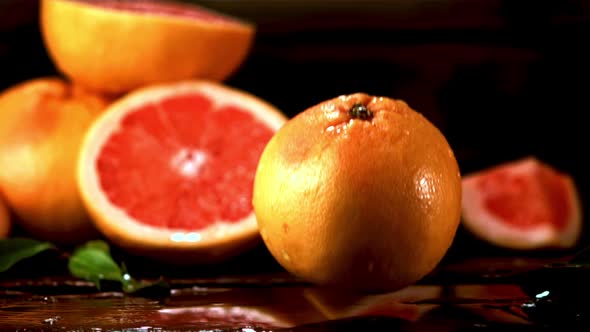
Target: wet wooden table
[(254, 294)]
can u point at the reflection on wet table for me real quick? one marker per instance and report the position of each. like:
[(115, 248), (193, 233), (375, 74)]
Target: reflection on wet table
[(485, 294)]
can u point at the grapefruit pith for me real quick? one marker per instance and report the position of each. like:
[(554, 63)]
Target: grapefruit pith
[(523, 204), (117, 46), (360, 192), (170, 169)]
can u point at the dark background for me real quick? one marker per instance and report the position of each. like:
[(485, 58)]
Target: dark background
[(503, 79)]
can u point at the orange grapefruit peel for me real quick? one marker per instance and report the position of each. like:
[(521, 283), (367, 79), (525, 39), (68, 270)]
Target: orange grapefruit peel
[(115, 50)]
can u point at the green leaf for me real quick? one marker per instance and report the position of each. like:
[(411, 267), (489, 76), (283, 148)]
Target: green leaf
[(99, 245), (131, 285), (134, 286), (93, 262), (14, 250)]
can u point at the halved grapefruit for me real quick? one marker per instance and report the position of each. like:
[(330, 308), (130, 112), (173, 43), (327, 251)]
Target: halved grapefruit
[(169, 169), (523, 204), (115, 46)]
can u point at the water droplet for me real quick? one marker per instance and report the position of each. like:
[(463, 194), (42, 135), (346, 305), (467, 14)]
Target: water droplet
[(329, 107), (52, 320), (49, 299), (426, 187), (286, 256)]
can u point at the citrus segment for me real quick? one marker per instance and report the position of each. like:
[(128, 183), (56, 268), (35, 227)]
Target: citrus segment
[(523, 204), (358, 191), (171, 167), (117, 46)]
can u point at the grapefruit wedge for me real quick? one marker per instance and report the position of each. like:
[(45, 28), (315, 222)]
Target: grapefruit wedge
[(167, 171), (115, 46), (523, 204)]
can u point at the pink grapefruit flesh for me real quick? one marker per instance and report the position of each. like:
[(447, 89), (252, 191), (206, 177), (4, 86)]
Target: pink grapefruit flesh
[(171, 168), (537, 203), (194, 167), (524, 204)]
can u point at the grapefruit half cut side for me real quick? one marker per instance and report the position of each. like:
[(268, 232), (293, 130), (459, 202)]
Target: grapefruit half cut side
[(116, 46), (169, 169), (523, 204)]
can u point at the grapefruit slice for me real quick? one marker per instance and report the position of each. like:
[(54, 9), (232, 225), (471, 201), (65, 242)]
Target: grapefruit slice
[(170, 169), (523, 204), (115, 46)]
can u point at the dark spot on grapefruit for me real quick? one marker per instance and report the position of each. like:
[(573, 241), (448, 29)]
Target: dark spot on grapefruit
[(360, 111)]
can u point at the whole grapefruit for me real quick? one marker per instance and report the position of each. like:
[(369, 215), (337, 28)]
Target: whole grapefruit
[(358, 191), (42, 122), (117, 46)]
